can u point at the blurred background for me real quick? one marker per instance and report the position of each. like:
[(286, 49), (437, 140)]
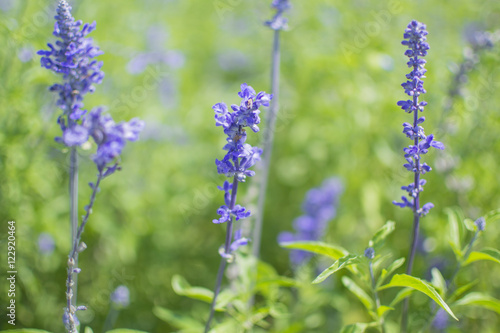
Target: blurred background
[(168, 62)]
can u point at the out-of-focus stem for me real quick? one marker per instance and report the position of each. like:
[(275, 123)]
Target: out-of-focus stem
[(377, 299), (73, 198), (73, 259), (268, 143), (227, 244)]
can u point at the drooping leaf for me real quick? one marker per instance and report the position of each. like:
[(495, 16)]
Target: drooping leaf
[(343, 262), (381, 234), (480, 300), (183, 288), (485, 254), (331, 251), (177, 320), (469, 224), (359, 293), (387, 272), (404, 280)]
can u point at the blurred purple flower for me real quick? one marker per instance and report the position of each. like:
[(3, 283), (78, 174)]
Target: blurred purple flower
[(46, 243), (278, 22), (320, 206), (25, 53), (120, 297)]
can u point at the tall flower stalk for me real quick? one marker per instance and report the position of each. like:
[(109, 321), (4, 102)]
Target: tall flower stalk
[(72, 56), (415, 39), (239, 158), (277, 24)]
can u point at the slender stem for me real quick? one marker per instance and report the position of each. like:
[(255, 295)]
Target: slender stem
[(111, 318), (73, 199), (268, 143), (73, 259), (377, 299), (227, 245), (416, 209)]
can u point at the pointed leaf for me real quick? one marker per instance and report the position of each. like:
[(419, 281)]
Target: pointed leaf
[(404, 280), (387, 272), (454, 233), (125, 330), (332, 251), (177, 320), (183, 288), (438, 281), (354, 328), (380, 236), (359, 293), (382, 310), (485, 254), (343, 262), (401, 296), (88, 330), (460, 291), (481, 300)]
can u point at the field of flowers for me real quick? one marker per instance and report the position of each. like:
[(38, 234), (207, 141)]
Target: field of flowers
[(237, 166)]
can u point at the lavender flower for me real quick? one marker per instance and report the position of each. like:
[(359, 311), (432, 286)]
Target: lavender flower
[(120, 297), (417, 48), (320, 206), (278, 22), (72, 56), (240, 156)]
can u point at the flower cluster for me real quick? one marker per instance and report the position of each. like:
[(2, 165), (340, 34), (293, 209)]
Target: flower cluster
[(240, 156), (109, 136), (279, 22), (73, 57), (415, 39), (320, 206)]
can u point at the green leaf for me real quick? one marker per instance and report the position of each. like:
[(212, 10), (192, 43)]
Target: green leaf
[(438, 281), (469, 224), (359, 293), (183, 288), (177, 320), (380, 236), (125, 330), (481, 300), (387, 272), (354, 328), (401, 296), (332, 251), (486, 254), (454, 233), (88, 330), (460, 291), (343, 262), (382, 310), (404, 280), (492, 216), (25, 330)]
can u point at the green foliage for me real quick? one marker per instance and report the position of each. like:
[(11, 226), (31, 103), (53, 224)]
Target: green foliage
[(408, 281)]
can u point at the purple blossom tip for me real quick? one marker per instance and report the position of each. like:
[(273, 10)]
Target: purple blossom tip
[(370, 253), (278, 22), (480, 224)]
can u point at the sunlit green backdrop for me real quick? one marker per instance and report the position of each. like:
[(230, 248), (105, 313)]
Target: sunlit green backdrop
[(342, 66)]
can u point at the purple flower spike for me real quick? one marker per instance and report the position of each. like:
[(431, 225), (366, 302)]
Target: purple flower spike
[(415, 39), (320, 206), (72, 56), (239, 158)]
